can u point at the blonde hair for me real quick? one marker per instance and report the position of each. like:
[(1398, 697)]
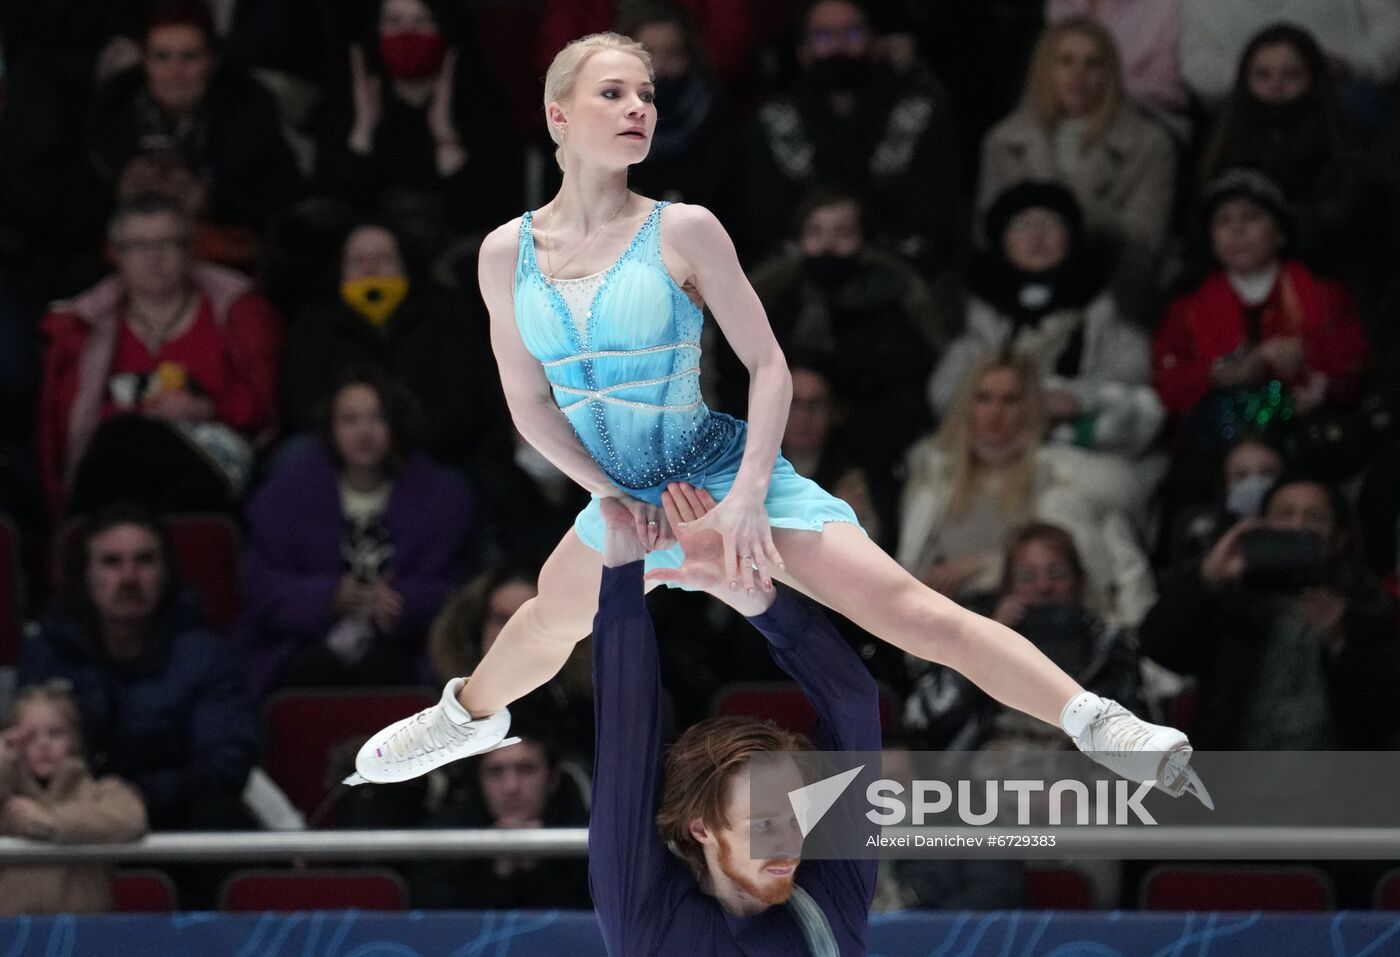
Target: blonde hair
[(955, 437), (1039, 98), (568, 63), (58, 694)]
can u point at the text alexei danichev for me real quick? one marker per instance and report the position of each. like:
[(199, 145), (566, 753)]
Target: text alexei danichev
[(924, 840)]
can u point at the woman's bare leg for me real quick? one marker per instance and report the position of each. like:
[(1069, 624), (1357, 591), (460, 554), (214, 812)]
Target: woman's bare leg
[(844, 570), (539, 637)]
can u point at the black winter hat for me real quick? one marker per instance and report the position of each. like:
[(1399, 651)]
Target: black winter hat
[(1032, 194), (1243, 183)]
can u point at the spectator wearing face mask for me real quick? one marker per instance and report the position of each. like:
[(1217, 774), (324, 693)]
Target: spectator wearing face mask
[(862, 310), (726, 27), (849, 119), (387, 314), (418, 133), (1292, 642), (1283, 119), (1250, 467), (693, 157), (1038, 290), (1043, 595), (181, 124)]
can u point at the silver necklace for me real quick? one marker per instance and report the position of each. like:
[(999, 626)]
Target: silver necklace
[(551, 272)]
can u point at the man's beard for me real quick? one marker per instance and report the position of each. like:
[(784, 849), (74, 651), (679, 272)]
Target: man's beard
[(777, 889)]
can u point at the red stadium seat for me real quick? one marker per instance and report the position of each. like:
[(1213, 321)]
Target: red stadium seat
[(1388, 891), (205, 549), (10, 601), (142, 891), (367, 888), (1056, 887), (1225, 887), (783, 703), (301, 727)]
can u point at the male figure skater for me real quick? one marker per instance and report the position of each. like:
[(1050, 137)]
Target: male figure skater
[(709, 898)]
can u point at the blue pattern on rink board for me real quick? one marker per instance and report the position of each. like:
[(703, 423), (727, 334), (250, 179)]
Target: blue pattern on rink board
[(575, 934)]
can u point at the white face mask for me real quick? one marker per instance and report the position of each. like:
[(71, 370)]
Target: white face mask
[(1247, 494)]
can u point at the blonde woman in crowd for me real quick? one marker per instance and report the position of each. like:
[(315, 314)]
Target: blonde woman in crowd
[(1076, 126)]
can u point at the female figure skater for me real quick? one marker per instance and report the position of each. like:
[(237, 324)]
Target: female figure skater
[(595, 322)]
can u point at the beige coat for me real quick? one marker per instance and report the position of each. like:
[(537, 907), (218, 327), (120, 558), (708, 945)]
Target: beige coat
[(1124, 185), (82, 811), (1087, 495)]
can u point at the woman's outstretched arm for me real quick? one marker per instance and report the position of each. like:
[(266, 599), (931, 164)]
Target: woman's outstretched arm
[(702, 252)]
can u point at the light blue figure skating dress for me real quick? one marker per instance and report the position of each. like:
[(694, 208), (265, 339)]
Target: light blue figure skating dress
[(626, 374)]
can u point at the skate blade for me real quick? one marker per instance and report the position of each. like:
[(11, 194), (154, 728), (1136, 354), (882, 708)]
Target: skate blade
[(1186, 780), (1195, 786), (356, 779)]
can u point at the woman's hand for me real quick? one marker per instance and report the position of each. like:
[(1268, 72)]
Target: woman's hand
[(1241, 369), (1224, 563), (653, 530), (385, 606), (180, 405), (25, 817), (1010, 611), (367, 91), (449, 154), (1311, 394), (1283, 354), (13, 740), (750, 559), (706, 561), (440, 122), (352, 597)]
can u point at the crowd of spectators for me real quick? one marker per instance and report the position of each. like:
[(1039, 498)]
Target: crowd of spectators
[(1091, 308)]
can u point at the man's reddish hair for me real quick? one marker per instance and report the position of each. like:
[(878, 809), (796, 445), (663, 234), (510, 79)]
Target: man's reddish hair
[(699, 767)]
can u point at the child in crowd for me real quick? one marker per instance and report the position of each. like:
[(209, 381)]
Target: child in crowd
[(47, 794)]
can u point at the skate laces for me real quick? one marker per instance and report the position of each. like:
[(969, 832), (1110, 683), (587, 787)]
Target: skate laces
[(1117, 731), (430, 730), (1123, 742)]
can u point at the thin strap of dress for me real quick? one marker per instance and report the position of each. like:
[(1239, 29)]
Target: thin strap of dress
[(525, 259), (651, 243)]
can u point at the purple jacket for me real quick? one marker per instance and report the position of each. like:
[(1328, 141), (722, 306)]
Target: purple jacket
[(292, 564)]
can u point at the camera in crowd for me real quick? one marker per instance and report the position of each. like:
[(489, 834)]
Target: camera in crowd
[(1284, 558)]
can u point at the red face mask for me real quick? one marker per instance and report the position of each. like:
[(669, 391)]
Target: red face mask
[(412, 54)]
